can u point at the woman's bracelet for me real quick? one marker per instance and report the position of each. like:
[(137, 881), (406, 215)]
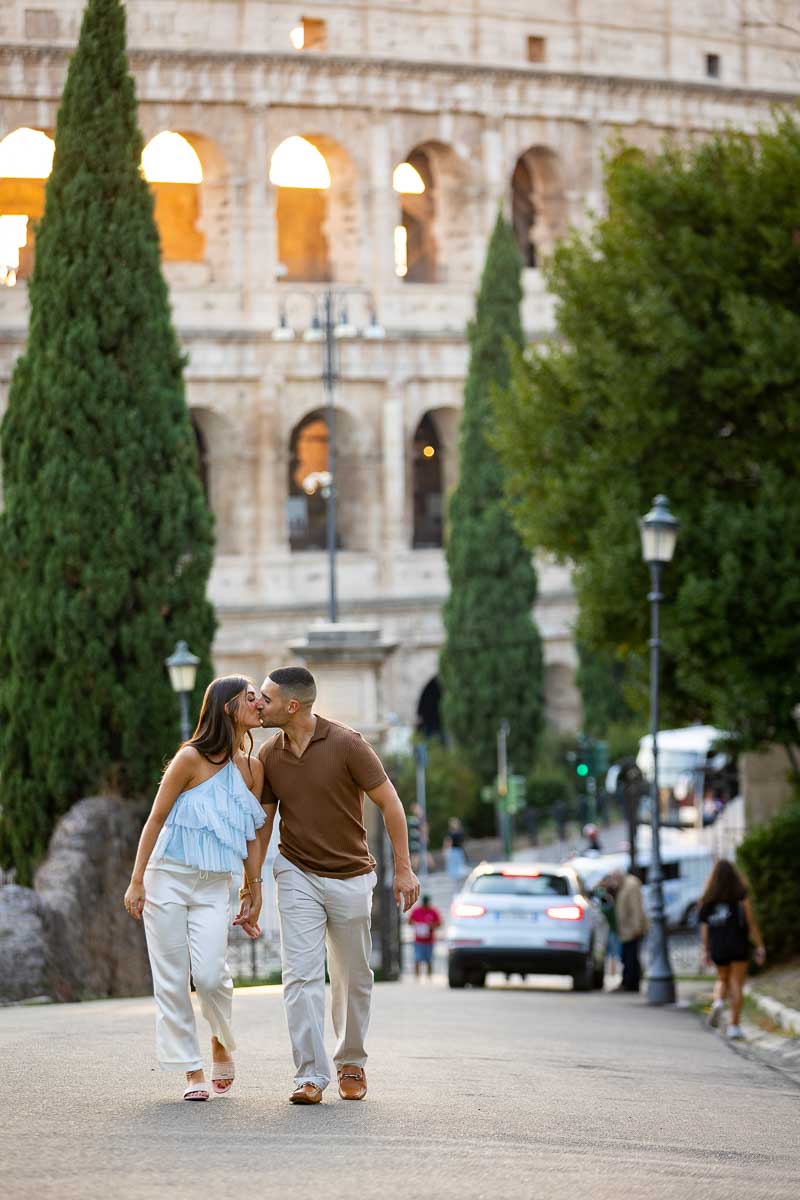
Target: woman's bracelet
[(259, 879)]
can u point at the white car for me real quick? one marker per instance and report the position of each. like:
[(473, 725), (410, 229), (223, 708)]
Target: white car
[(526, 919)]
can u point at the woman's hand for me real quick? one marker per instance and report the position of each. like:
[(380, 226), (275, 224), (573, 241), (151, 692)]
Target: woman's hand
[(134, 900), (249, 911), (760, 955)]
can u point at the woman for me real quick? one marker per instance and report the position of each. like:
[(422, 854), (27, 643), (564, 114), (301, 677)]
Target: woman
[(201, 828), (727, 926)]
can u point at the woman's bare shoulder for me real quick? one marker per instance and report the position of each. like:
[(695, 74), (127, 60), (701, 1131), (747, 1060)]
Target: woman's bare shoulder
[(252, 771)]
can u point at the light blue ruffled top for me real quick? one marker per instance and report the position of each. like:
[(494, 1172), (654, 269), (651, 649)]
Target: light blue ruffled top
[(210, 824)]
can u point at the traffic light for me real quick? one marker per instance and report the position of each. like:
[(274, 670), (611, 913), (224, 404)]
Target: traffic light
[(515, 800), (585, 758)]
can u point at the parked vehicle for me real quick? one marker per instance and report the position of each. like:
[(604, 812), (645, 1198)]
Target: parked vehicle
[(526, 919), (694, 780), (685, 870)]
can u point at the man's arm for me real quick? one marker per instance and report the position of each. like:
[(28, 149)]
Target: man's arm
[(406, 885)]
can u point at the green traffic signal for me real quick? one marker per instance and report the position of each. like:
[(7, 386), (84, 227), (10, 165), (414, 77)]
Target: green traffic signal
[(582, 770)]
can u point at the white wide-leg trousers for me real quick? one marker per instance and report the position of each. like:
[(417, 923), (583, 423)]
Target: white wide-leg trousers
[(314, 913), (186, 920)]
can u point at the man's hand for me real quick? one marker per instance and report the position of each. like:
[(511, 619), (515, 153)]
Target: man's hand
[(248, 914), (406, 889)]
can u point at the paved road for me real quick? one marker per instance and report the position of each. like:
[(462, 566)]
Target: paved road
[(530, 1092)]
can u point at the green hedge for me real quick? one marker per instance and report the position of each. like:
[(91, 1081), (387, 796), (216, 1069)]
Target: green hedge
[(770, 858), (545, 789)]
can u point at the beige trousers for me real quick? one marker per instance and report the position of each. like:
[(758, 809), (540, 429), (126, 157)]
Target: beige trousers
[(186, 921), (316, 913)]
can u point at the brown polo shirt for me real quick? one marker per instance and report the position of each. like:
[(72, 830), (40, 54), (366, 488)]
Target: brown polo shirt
[(320, 799)]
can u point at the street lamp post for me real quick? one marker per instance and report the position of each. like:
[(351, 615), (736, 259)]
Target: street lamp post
[(334, 326), (182, 667), (659, 531)]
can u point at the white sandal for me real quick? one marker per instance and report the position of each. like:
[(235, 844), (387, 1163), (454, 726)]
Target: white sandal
[(197, 1091), (221, 1071)]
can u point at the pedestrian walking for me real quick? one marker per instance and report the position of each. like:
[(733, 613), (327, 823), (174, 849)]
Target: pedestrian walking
[(425, 919), (201, 828), (316, 772), (631, 921), (727, 929), (604, 892), (455, 856)]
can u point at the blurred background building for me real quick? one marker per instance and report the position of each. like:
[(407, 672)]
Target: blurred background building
[(365, 146)]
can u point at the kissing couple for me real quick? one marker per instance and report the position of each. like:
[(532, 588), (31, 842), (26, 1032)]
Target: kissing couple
[(212, 817)]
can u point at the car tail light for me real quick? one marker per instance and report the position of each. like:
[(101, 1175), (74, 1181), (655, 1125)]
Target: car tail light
[(467, 910), (521, 872), (566, 912)]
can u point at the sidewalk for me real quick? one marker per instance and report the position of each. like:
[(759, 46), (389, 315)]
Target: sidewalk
[(766, 1043)]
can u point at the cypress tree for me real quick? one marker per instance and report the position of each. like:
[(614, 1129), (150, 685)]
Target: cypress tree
[(105, 538), (491, 662)]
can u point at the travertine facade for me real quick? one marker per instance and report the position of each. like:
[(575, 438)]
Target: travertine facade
[(476, 94)]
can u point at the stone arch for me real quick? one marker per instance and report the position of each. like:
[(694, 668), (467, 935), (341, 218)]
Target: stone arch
[(221, 473), (538, 204), (308, 464), (429, 720), (174, 172), (431, 225), (317, 226), (434, 473), (26, 156)]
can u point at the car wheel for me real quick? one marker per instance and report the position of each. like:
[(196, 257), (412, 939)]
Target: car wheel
[(583, 979), (455, 976), (599, 976), (478, 979)]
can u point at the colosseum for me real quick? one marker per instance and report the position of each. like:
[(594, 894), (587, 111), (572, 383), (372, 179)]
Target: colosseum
[(352, 155)]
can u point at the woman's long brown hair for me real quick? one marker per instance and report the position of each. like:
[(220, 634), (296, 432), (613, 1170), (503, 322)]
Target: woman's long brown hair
[(215, 732), (724, 885)]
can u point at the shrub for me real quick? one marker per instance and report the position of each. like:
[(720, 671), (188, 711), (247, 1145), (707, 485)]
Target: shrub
[(769, 858), (452, 790)]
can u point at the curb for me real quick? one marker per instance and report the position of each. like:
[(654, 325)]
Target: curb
[(787, 1018)]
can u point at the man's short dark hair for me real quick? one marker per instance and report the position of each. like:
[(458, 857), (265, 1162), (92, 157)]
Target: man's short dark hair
[(295, 682)]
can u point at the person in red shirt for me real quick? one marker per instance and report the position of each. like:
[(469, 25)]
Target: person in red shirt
[(425, 920)]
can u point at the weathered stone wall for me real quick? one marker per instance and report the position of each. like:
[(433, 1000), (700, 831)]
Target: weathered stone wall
[(69, 937)]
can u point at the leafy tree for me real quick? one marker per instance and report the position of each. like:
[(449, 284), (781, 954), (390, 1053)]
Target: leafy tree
[(105, 539), (674, 369), (601, 681), (491, 663)]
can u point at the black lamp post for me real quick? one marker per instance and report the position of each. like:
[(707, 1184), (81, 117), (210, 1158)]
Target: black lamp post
[(659, 530), (182, 666), (334, 326)]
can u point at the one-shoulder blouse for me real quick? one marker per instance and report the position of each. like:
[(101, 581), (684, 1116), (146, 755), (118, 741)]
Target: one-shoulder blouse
[(209, 825)]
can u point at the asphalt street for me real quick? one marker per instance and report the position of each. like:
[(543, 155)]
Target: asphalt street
[(531, 1092)]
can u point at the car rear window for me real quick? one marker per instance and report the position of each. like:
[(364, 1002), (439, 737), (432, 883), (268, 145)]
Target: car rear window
[(521, 885)]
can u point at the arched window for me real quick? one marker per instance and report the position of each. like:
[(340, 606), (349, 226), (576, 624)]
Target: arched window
[(414, 237), (523, 212), (429, 721), (428, 490), (538, 204), (26, 159), (307, 507), (300, 173), (172, 168)]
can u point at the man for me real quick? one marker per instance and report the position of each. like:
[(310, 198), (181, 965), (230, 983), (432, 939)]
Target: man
[(315, 775), (425, 919), (631, 926)]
